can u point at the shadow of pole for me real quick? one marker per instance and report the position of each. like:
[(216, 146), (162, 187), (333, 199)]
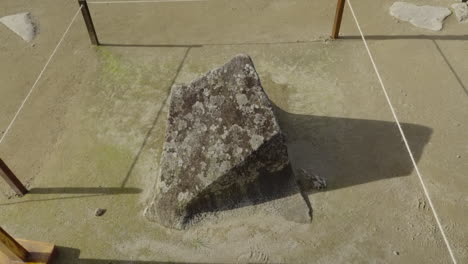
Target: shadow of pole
[(51, 199), (86, 193), (450, 67), (151, 45), (66, 255), (149, 132), (370, 37), (84, 190)]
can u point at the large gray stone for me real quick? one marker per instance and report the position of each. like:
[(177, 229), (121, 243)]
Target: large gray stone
[(223, 147), (428, 17)]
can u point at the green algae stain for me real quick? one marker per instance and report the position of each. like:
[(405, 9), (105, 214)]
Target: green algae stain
[(112, 64), (124, 73)]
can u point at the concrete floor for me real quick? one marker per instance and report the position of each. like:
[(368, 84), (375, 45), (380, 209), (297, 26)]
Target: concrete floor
[(91, 134)]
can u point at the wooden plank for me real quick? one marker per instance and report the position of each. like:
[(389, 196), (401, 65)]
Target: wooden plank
[(11, 179), (33, 252), (11, 249), (89, 22), (39, 252), (338, 17)]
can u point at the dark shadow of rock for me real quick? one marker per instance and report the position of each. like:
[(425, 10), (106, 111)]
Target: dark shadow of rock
[(344, 151), (267, 187), (350, 152)]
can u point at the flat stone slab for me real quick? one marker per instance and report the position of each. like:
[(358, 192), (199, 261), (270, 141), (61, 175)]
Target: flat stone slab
[(428, 17), (223, 147), (22, 24)]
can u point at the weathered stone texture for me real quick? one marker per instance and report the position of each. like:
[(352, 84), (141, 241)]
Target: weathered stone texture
[(223, 146)]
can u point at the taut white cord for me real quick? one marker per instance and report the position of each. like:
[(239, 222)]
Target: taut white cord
[(39, 77), (426, 192)]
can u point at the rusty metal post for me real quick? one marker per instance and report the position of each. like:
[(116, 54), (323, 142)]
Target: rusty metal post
[(89, 22), (338, 17), (11, 248), (11, 179)]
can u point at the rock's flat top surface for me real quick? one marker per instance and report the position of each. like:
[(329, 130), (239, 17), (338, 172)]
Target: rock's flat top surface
[(428, 17), (220, 127), (21, 24)]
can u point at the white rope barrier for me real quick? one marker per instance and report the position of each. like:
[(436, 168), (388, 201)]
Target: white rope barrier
[(39, 77), (426, 192)]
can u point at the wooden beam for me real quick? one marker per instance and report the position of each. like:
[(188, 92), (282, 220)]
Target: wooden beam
[(22, 251), (89, 22), (338, 17), (11, 179), (12, 249)]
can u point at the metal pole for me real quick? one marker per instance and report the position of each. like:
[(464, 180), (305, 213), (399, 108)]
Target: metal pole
[(338, 16), (11, 248), (11, 179), (89, 22)]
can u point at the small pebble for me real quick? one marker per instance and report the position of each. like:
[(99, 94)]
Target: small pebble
[(396, 253), (458, 156), (100, 212)]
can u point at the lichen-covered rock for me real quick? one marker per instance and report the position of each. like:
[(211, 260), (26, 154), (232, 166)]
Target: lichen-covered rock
[(223, 146)]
